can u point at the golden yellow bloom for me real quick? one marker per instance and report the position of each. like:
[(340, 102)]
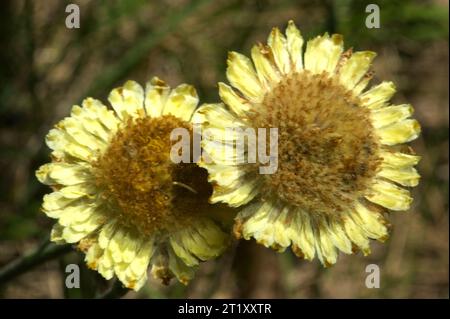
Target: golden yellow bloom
[(118, 194), (341, 164)]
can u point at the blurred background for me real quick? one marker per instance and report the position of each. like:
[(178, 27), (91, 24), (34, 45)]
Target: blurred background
[(45, 68)]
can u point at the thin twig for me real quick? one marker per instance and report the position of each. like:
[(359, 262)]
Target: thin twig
[(43, 253)]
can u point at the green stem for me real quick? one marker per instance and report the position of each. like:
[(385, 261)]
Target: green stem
[(43, 253), (117, 290), (331, 22)]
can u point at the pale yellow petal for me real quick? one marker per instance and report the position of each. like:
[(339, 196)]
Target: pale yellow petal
[(138, 267), (357, 235), (106, 265), (72, 236), (179, 249), (371, 222), (156, 94), (277, 42), (80, 190), (74, 127), (128, 100), (399, 160), (267, 73), (326, 251), (64, 145), (280, 229), (355, 68), (139, 283), (181, 102), (76, 214), (302, 235), (216, 116), (323, 53), (268, 225), (133, 273), (213, 235), (197, 245), (378, 95), (116, 245), (224, 175), (93, 255), (89, 119), (70, 208), (390, 196), (98, 111), (183, 272), (242, 75), (130, 248), (60, 173), (235, 102), (106, 234), (241, 195), (294, 46), (56, 234), (407, 176), (391, 114), (222, 153), (257, 225), (55, 202), (94, 221), (338, 236), (400, 132), (362, 84)]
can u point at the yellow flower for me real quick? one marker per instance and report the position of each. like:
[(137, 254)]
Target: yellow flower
[(118, 194), (340, 162)]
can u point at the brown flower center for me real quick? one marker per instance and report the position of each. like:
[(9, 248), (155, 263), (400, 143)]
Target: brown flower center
[(142, 187), (327, 153)]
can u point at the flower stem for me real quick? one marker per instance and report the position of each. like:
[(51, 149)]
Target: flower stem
[(43, 253), (117, 290)]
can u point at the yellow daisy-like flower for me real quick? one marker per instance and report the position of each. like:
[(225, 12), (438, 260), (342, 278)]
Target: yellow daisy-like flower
[(341, 164), (118, 194)]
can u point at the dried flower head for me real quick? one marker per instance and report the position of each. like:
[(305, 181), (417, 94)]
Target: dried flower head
[(341, 162), (117, 193)]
